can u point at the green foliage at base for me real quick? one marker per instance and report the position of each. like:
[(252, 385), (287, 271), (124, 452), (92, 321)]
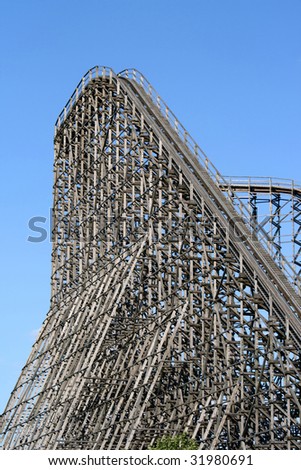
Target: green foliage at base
[(180, 442)]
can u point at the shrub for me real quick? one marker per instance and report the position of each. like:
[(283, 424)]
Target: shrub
[(180, 442)]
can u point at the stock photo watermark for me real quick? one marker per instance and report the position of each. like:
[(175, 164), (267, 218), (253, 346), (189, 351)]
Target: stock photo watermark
[(73, 229)]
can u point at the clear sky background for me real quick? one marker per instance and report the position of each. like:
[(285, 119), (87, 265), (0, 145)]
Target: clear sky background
[(229, 69)]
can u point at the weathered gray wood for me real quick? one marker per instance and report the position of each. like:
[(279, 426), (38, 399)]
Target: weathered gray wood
[(161, 318)]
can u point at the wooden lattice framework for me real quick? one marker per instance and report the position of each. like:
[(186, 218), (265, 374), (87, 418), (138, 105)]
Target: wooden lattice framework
[(275, 210), (167, 313)]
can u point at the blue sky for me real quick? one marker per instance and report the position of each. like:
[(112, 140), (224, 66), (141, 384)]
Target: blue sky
[(229, 69)]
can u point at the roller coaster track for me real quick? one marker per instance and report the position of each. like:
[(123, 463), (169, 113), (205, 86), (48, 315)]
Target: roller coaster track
[(253, 184), (170, 311)]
